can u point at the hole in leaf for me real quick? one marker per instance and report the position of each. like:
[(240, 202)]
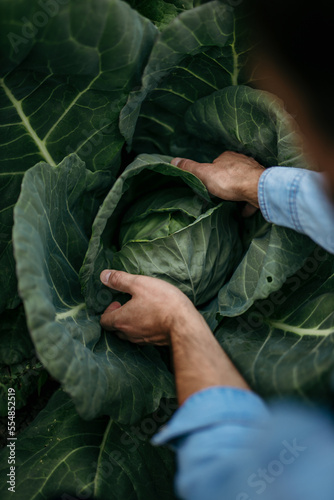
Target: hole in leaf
[(269, 279)]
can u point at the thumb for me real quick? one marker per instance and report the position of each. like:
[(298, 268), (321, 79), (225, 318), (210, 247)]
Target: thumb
[(189, 165), (118, 280)]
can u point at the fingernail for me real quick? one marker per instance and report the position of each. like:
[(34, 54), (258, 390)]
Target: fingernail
[(105, 275), (176, 161)]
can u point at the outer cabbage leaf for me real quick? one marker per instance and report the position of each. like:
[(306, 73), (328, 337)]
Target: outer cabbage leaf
[(53, 219), (284, 344), (19, 368), (253, 122), (65, 75), (249, 121), (201, 51), (15, 342), (62, 456), (161, 12), (25, 378), (197, 259)]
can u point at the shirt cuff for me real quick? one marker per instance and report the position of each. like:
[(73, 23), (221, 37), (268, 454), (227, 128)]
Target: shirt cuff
[(278, 193), (214, 406), (297, 199)]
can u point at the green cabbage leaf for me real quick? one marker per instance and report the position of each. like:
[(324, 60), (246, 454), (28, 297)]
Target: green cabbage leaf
[(63, 456), (104, 375), (196, 255), (63, 83), (156, 220), (94, 103)]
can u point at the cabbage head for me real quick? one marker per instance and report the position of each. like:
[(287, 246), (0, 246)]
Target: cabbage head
[(162, 223)]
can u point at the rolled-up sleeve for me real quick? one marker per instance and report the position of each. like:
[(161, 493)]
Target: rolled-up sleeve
[(230, 446), (211, 432), (297, 198)]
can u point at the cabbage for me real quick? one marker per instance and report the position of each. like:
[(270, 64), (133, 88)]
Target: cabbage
[(95, 103), (182, 238)]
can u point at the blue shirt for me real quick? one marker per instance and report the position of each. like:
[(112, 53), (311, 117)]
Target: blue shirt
[(297, 198), (229, 444)]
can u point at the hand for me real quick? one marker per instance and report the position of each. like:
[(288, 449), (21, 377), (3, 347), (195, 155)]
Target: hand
[(160, 314), (232, 176), (155, 310)]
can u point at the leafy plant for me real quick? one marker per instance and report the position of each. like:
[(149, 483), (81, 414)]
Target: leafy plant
[(161, 12), (289, 336), (19, 367), (62, 86), (102, 374), (80, 98), (197, 254), (100, 459)]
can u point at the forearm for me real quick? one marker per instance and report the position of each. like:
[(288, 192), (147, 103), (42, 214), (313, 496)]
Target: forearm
[(199, 361), (160, 314)]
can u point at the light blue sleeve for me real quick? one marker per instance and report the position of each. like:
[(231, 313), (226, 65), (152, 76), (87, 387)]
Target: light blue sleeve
[(210, 432), (230, 446), (297, 198)]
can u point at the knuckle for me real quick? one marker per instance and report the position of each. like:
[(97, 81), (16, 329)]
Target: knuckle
[(186, 164), (137, 278), (233, 154), (225, 156), (136, 282), (115, 278)]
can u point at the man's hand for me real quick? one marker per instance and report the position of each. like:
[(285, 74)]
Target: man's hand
[(160, 314), (154, 312), (232, 177)]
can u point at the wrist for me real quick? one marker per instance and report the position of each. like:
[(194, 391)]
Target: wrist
[(188, 325), (249, 189)]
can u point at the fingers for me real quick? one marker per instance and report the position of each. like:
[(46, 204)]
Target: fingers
[(116, 319), (112, 318), (118, 280), (189, 165), (112, 307), (107, 320)]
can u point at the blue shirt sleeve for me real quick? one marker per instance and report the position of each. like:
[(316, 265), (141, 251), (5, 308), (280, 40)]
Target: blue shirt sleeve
[(297, 198), (230, 446)]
